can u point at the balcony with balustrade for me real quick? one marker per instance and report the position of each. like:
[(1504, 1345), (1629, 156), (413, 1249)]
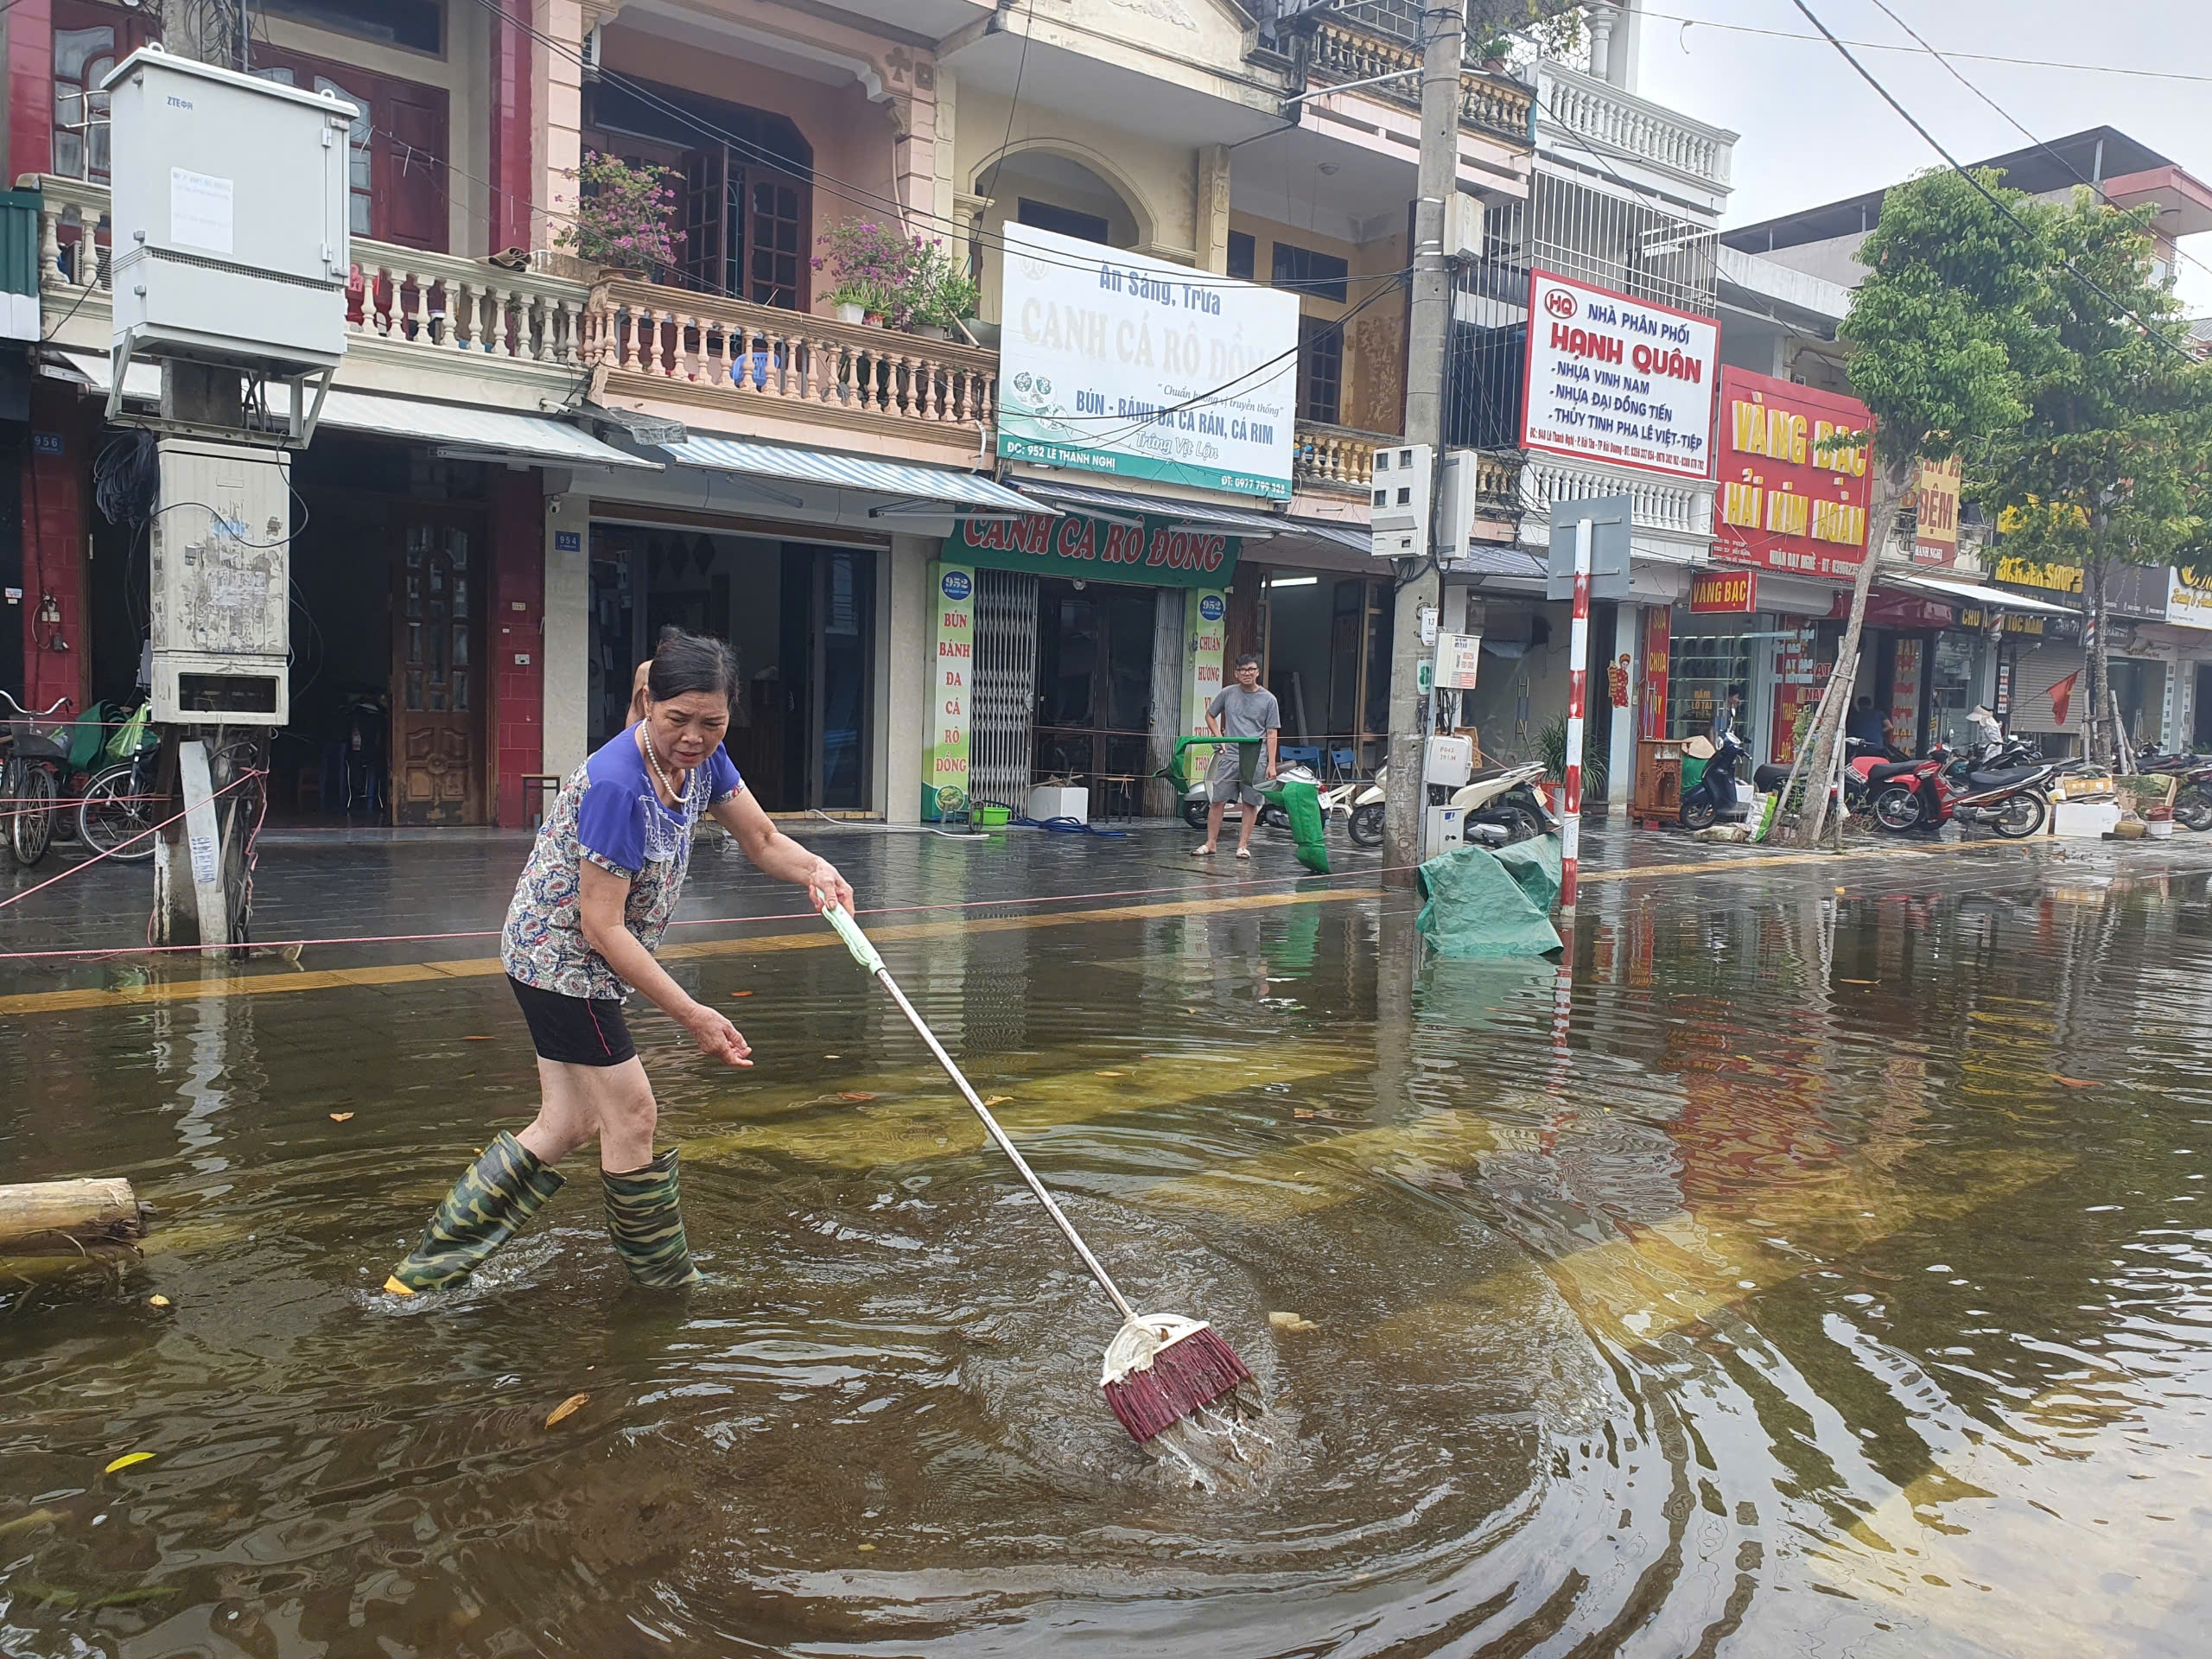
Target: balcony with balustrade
[(1339, 50), (456, 330), (1591, 124)]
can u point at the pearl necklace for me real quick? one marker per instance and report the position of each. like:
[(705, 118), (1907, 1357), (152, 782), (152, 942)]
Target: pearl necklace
[(653, 760)]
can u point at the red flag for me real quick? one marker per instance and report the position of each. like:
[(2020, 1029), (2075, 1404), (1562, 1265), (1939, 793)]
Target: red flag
[(2061, 696)]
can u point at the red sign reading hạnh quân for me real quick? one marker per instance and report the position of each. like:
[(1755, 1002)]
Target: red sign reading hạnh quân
[(1789, 497)]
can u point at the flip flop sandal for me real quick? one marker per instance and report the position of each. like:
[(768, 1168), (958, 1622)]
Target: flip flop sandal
[(1201, 852), (1244, 852)]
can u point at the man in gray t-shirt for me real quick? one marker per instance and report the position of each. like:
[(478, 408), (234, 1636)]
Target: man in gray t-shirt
[(1244, 710)]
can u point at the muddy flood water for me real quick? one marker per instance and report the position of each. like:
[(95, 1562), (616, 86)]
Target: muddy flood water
[(1805, 1275)]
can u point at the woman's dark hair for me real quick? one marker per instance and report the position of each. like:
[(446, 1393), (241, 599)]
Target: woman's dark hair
[(684, 663)]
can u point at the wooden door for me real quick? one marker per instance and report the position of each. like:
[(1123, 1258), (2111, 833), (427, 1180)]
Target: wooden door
[(438, 671)]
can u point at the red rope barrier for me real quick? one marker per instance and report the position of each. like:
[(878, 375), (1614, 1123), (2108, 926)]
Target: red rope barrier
[(77, 869)]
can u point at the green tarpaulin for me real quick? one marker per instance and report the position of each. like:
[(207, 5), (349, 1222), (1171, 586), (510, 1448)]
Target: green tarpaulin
[(1482, 903)]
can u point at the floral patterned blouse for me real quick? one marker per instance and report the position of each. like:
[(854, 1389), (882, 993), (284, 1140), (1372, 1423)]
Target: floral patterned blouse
[(608, 812)]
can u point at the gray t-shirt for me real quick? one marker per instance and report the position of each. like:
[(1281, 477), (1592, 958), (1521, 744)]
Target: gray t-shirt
[(1246, 714)]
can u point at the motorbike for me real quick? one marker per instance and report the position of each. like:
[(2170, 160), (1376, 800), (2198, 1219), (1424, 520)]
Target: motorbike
[(1503, 805), (1197, 803), (2193, 800), (1714, 796), (2013, 800), (1364, 813)]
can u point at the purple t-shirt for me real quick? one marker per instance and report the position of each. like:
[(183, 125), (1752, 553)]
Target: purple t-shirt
[(608, 812)]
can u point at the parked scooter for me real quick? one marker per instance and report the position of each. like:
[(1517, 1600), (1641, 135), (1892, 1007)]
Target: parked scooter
[(1364, 819), (2014, 801), (1714, 796), (2193, 800), (1503, 805)]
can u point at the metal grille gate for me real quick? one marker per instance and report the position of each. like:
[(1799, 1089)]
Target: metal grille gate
[(1002, 699)]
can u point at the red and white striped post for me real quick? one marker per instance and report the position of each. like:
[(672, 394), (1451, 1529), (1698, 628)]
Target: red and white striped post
[(1578, 691)]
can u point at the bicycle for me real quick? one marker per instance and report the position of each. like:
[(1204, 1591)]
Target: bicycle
[(117, 815), (37, 759)]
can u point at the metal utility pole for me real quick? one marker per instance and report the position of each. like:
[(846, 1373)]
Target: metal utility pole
[(1429, 336)]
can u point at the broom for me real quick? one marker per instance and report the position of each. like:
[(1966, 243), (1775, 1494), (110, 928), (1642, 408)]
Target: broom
[(1160, 1367)]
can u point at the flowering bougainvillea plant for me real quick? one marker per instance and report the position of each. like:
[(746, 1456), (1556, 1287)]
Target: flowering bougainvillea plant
[(903, 279), (622, 213)]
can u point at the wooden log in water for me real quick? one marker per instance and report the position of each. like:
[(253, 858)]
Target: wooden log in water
[(43, 1216)]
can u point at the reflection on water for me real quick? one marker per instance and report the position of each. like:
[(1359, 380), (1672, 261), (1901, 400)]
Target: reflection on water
[(1797, 1275)]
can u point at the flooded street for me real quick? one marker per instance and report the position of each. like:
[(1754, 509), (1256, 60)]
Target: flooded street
[(1816, 1268)]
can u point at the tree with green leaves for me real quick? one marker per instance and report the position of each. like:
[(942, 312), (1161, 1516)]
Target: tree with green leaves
[(2113, 465), (1948, 333)]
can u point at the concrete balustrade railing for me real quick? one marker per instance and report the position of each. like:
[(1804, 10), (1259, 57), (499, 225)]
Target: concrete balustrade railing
[(1603, 116), (1336, 457), (791, 362), (402, 297)]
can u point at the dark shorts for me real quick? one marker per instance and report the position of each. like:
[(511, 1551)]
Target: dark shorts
[(573, 1030)]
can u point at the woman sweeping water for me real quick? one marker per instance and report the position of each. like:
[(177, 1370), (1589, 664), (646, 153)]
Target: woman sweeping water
[(602, 880)]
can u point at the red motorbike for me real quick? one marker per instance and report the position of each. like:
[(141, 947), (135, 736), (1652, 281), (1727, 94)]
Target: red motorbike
[(2013, 800)]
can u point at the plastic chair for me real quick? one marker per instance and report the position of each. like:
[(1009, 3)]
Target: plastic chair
[(1300, 753), (1344, 764)]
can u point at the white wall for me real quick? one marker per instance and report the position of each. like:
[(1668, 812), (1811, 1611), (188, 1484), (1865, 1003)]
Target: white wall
[(566, 644)]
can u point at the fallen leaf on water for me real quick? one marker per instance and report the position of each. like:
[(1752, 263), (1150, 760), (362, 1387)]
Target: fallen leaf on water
[(569, 1408), (740, 993), (1291, 1322), (35, 1518), (126, 1460), (856, 1094), (833, 1057), (2076, 1082), (1862, 981), (340, 1117), (997, 1100), (866, 1546), (1112, 1074), (157, 1301), (476, 1040)]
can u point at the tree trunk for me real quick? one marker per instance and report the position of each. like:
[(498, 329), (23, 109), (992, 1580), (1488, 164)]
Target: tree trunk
[(2100, 739), (47, 1216), (1822, 742)]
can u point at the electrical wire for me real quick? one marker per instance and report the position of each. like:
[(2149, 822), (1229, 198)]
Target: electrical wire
[(1891, 46), (1014, 104), (1983, 190), (1952, 69), (856, 196)]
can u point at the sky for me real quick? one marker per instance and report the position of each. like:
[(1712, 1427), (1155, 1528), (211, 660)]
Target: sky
[(1813, 132)]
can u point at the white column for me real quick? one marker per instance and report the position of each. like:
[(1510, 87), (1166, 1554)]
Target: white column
[(566, 644), (1620, 757), (902, 680)]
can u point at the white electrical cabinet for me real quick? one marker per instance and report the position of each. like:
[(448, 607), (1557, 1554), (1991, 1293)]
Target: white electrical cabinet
[(1400, 486), (229, 217), (222, 582)]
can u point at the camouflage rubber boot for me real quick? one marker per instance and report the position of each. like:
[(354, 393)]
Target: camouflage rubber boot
[(646, 1224), (487, 1206)]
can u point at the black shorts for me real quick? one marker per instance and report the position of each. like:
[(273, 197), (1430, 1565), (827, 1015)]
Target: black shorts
[(575, 1030)]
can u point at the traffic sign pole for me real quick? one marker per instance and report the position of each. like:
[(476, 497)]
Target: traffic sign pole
[(1578, 688)]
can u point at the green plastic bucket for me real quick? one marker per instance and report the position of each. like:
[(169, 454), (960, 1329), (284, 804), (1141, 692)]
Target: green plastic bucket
[(994, 817)]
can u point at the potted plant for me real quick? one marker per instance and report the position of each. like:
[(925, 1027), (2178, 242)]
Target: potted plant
[(948, 295), (873, 265), (1493, 53), (1553, 741), (622, 214)]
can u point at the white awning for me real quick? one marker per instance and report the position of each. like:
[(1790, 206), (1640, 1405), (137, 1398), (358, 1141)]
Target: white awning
[(1083, 497), (1990, 599), (454, 431), (911, 484)]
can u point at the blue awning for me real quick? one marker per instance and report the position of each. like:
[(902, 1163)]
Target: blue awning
[(904, 480)]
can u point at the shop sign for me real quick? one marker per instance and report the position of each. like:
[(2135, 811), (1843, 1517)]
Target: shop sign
[(944, 724), (1936, 505), (1792, 498), (1159, 552), (1904, 694), (1730, 592), (2189, 598), (1895, 610), (2065, 629), (1110, 362), (1618, 380), (1206, 616), (1658, 633), (2051, 578)]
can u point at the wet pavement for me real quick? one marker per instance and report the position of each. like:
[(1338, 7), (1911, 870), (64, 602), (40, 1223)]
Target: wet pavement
[(1811, 1264)]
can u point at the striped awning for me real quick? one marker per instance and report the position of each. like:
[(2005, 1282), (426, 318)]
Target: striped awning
[(903, 480)]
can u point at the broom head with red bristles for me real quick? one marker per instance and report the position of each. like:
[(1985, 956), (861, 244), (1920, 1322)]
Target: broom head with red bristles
[(1160, 1368)]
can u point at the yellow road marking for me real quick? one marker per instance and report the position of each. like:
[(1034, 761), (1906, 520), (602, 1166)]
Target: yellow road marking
[(876, 1133), (279, 983)]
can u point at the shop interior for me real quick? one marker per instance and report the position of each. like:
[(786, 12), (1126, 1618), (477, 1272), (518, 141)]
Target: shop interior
[(801, 617), (1094, 681), (1325, 654)]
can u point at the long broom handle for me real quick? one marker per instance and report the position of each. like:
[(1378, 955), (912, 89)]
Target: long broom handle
[(865, 954)]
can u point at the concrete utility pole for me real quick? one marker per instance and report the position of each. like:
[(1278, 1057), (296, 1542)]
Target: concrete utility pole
[(1428, 341)]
